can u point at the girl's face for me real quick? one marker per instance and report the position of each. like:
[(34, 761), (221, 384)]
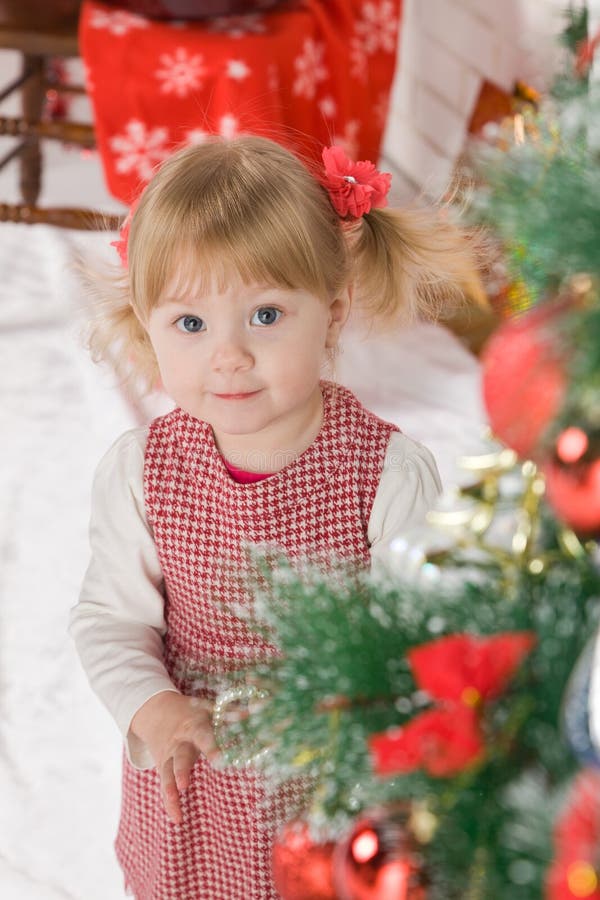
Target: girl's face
[(247, 361)]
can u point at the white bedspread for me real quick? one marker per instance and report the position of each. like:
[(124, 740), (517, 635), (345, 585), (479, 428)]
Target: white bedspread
[(59, 753)]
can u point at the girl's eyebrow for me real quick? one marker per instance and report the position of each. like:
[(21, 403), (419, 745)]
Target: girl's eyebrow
[(268, 294), (258, 295), (190, 302)]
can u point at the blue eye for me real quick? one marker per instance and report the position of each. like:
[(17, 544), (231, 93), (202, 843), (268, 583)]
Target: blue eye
[(190, 324), (266, 315)]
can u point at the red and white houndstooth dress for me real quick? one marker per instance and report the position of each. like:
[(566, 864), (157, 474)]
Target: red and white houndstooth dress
[(318, 507)]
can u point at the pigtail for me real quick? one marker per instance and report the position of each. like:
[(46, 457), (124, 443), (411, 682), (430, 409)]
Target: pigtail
[(114, 334), (412, 263)]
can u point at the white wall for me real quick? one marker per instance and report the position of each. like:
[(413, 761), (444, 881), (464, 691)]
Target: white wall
[(447, 48)]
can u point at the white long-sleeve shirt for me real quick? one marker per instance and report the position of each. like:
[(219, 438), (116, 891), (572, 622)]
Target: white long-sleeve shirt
[(119, 623)]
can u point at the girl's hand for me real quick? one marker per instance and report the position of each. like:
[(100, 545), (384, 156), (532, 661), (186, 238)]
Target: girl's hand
[(176, 729)]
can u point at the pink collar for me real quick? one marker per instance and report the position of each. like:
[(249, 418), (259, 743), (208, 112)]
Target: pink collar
[(244, 477)]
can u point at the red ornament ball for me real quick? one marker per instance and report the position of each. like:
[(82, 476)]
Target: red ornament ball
[(523, 378), (379, 860), (572, 444), (574, 494), (302, 869), (574, 872)]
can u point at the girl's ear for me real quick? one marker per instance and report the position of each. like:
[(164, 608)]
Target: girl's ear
[(339, 311)]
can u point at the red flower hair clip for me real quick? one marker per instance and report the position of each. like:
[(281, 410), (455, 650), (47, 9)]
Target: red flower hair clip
[(122, 244), (354, 188)]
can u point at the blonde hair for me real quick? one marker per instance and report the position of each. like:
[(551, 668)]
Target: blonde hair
[(248, 208)]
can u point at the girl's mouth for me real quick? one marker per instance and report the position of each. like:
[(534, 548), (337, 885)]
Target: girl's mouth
[(242, 396)]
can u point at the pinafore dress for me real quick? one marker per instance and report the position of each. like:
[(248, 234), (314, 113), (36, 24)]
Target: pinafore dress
[(317, 508)]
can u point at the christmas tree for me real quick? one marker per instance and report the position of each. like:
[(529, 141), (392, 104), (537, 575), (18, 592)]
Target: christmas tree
[(439, 715)]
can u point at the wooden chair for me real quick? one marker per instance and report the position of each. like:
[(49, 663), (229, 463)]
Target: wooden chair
[(41, 30)]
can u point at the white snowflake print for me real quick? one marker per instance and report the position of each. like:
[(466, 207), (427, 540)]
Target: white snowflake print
[(377, 26), (273, 78), (228, 127), (328, 107), (181, 73), (117, 22), (358, 60), (196, 136), (348, 141), (237, 69), (310, 69), (139, 149), (238, 26)]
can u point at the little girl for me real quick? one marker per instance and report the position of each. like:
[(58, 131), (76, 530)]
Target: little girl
[(240, 268)]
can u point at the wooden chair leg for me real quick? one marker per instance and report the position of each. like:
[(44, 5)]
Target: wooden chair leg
[(32, 102), (63, 217)]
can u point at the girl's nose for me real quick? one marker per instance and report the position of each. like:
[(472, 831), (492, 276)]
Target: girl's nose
[(231, 356)]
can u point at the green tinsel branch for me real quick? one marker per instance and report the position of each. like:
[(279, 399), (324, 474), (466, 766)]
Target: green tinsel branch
[(541, 197), (543, 200), (342, 675)]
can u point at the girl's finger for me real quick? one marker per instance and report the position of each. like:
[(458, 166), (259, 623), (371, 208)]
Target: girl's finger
[(204, 739), (203, 735), (184, 757), (169, 791)]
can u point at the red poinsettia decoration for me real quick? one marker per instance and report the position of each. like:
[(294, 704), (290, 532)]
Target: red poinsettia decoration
[(354, 188), (463, 672), (575, 871), (441, 741)]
